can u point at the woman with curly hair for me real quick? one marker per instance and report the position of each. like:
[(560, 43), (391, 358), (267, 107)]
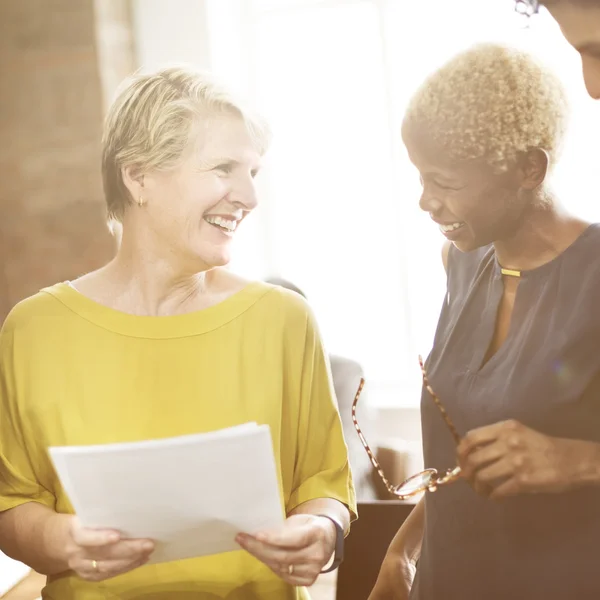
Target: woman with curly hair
[(516, 355), (580, 23)]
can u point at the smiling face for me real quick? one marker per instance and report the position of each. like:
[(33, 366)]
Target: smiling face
[(472, 205), (483, 130), (194, 210), (580, 24)]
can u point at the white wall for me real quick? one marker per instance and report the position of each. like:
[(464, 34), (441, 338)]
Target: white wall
[(173, 31)]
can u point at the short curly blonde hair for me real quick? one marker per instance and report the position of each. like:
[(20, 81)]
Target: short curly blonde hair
[(152, 123), (491, 102)]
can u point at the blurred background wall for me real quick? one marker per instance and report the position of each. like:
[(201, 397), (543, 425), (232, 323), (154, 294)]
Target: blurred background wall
[(55, 78)]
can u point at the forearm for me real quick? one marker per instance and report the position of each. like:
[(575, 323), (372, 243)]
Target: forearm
[(325, 506), (406, 545), (397, 570), (37, 536)]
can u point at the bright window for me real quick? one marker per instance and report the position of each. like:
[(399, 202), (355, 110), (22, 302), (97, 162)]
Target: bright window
[(340, 215)]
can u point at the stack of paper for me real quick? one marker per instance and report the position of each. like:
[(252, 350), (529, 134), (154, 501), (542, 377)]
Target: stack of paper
[(191, 494)]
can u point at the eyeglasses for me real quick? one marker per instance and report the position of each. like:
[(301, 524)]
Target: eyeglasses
[(527, 7), (427, 480)]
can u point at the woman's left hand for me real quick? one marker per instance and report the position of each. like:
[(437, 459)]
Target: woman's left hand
[(297, 551), (508, 458)]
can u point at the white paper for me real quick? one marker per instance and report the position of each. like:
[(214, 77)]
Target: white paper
[(191, 494)]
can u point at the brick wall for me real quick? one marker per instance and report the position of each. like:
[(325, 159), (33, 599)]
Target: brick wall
[(53, 77)]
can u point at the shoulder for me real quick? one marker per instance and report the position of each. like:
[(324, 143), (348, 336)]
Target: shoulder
[(271, 304), (457, 259), (267, 295), (281, 312), (463, 267), (32, 323), (283, 302), (584, 253), (285, 318), (34, 309), (579, 268)]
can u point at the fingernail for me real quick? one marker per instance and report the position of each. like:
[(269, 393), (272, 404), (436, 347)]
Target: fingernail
[(261, 537), (114, 537), (147, 546)]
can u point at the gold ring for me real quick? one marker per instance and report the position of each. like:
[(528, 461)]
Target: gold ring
[(95, 565), (290, 569)]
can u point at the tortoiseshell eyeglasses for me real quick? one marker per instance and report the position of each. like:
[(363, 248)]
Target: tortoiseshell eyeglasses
[(427, 480)]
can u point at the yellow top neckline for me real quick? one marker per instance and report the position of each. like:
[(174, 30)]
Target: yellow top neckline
[(175, 326)]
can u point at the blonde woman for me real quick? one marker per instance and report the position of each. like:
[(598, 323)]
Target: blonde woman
[(163, 341), (516, 356)]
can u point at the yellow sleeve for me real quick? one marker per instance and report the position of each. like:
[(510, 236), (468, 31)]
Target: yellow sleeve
[(322, 469), (18, 483)]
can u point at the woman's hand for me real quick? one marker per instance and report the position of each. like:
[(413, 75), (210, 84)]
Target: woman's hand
[(96, 555), (508, 458), (297, 551)]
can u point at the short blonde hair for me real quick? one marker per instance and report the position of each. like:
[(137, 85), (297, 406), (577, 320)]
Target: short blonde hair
[(153, 121), (491, 102)]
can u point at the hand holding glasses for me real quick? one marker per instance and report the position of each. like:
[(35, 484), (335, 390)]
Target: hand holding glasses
[(427, 480)]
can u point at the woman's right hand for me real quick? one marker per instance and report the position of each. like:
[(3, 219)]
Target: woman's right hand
[(99, 554)]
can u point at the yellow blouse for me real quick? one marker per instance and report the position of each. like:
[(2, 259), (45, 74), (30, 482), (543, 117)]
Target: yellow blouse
[(74, 372)]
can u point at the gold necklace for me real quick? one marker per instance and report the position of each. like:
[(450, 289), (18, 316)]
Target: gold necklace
[(510, 272)]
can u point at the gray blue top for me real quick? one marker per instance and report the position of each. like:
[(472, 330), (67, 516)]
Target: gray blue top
[(545, 375)]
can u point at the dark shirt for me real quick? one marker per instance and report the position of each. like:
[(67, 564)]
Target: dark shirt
[(547, 376)]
